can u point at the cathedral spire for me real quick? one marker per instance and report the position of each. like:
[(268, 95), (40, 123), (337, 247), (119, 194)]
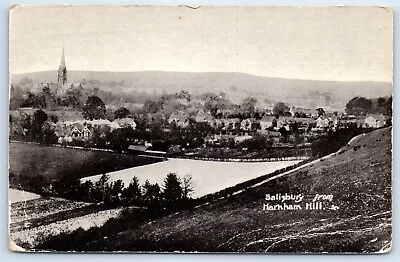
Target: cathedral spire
[(62, 58), (62, 70)]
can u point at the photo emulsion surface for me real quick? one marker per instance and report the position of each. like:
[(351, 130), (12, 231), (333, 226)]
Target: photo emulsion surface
[(200, 129)]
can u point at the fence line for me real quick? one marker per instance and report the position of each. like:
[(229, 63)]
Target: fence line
[(69, 146), (270, 159)]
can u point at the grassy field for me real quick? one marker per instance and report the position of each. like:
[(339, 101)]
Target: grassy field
[(34, 166), (34, 212), (358, 178), (33, 221)]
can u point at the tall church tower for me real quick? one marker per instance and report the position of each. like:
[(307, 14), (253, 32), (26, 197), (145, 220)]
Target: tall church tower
[(62, 71)]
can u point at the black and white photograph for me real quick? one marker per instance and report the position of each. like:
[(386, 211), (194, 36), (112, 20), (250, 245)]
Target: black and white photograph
[(207, 129)]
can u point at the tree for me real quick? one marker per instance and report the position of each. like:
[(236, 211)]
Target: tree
[(280, 109), (114, 193), (85, 191), (67, 186), (94, 108), (172, 189), (15, 102), (152, 194), (183, 94), (74, 96), (187, 186), (100, 134), (381, 102), (101, 188), (151, 106), (122, 112), (27, 123), (359, 106), (34, 101), (110, 114), (249, 106), (38, 119), (121, 138), (132, 195), (48, 133)]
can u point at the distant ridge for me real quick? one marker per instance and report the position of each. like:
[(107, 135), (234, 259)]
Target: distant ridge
[(309, 93)]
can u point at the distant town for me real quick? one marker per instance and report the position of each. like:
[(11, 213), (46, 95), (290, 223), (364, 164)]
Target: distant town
[(179, 124)]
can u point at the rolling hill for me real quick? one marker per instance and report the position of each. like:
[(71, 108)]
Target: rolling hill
[(358, 178), (237, 86)]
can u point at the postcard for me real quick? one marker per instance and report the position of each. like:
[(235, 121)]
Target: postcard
[(226, 129)]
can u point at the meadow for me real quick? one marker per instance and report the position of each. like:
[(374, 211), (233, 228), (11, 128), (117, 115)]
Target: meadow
[(33, 221), (32, 166)]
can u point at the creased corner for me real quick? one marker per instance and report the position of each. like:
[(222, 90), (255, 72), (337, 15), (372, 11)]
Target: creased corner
[(387, 248), (387, 8), (14, 7), (14, 247)]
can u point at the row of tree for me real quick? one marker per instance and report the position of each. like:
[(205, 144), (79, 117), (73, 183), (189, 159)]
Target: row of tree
[(93, 107), (361, 106), (38, 127), (86, 101), (173, 194)]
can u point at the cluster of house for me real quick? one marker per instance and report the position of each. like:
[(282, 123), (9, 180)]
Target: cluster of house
[(218, 139), (375, 121), (180, 119), (67, 131), (322, 122), (334, 123)]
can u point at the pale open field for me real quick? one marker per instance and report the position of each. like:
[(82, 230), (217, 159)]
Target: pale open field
[(207, 176), (15, 195)]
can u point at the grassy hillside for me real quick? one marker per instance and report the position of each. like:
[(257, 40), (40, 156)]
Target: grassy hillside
[(236, 85), (359, 178)]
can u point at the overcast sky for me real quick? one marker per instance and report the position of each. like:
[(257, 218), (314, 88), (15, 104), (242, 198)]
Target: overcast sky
[(339, 43)]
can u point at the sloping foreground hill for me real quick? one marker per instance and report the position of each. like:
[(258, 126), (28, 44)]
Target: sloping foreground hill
[(359, 178)]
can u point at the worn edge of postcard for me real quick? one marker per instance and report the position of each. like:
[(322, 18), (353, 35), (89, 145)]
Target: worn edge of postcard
[(386, 249)]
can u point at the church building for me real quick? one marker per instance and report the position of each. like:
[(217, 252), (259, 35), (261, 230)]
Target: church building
[(62, 71), (62, 78)]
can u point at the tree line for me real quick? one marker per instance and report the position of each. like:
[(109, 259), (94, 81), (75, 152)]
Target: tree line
[(361, 106), (175, 192)]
